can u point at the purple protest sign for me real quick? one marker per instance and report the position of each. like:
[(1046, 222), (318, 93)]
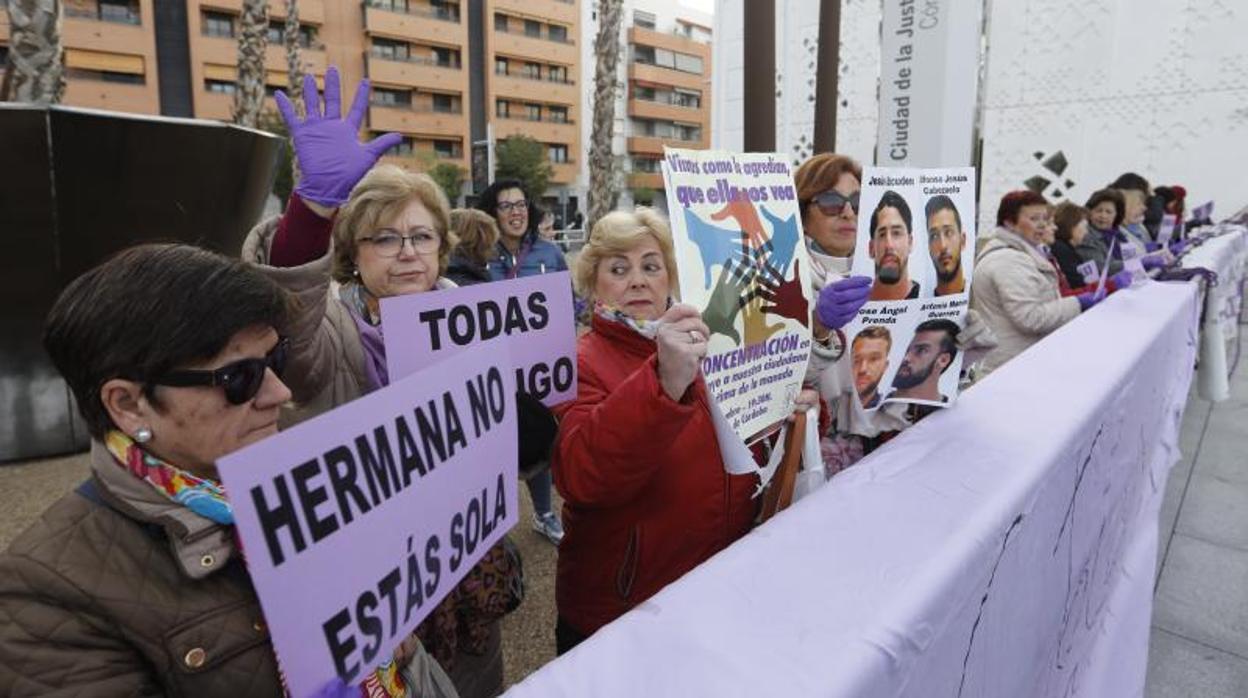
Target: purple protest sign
[(359, 522), (534, 313)]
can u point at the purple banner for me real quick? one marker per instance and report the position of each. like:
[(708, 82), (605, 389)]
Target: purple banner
[(358, 522), (534, 313)]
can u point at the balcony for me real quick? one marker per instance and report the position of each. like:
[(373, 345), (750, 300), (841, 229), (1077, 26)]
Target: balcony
[(416, 25), (666, 111), (538, 48), (647, 180), (310, 11), (671, 41), (544, 131), (562, 11), (93, 94), (653, 145), (420, 121), (107, 12), (523, 88), (659, 75), (218, 50), (415, 72), (564, 172), (107, 35)]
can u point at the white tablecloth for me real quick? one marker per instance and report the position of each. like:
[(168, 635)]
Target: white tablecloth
[(1226, 255), (1004, 547)]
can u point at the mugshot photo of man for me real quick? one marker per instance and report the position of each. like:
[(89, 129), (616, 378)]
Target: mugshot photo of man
[(891, 241), (945, 242), (870, 359), (930, 354)]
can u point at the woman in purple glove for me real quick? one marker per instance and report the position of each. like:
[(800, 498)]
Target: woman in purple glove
[(390, 236), (1017, 291)]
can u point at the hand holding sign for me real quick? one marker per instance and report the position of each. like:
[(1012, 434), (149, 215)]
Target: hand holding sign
[(681, 345)]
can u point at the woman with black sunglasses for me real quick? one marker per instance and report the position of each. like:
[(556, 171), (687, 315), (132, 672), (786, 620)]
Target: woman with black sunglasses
[(134, 584)]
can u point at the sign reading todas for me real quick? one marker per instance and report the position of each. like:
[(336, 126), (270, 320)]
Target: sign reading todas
[(535, 314), (916, 241), (738, 239), (358, 522)]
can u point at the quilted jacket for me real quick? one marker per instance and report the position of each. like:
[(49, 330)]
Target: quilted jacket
[(116, 591)]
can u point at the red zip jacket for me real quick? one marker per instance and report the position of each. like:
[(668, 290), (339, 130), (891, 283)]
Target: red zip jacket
[(646, 497)]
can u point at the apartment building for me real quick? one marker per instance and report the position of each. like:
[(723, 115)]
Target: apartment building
[(179, 58), (663, 96)]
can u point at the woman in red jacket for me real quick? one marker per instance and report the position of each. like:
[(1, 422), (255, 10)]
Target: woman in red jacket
[(646, 496)]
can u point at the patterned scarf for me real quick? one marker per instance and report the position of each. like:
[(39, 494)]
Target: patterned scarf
[(207, 498), (646, 328)]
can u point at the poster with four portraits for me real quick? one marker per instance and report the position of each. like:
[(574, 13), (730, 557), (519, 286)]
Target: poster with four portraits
[(916, 240)]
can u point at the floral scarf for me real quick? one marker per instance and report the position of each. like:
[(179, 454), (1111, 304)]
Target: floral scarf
[(207, 499), (646, 328)]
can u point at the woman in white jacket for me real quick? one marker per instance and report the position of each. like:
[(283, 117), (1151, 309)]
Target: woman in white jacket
[(1016, 288)]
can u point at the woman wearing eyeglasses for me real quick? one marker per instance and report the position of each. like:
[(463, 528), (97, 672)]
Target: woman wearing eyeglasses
[(133, 583), (353, 234)]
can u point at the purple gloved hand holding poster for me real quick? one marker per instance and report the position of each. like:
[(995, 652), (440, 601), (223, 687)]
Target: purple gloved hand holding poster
[(357, 523), (534, 314)]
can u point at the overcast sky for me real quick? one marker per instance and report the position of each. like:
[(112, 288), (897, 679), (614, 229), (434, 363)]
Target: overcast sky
[(707, 6)]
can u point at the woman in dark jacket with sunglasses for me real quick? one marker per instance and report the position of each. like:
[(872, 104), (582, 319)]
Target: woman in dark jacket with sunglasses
[(133, 583)]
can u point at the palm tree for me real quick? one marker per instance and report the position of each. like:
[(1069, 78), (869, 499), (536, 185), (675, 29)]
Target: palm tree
[(602, 192), (252, 40), (36, 65), (294, 59)]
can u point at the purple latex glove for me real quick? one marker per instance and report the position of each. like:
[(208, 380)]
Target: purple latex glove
[(839, 302), (1122, 279), (336, 688), (330, 155), (1090, 298), (1152, 262), (1152, 246), (1177, 247)]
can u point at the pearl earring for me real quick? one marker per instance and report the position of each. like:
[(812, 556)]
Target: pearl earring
[(143, 435)]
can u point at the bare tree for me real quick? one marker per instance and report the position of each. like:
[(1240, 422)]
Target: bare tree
[(252, 41), (602, 189), (36, 65)]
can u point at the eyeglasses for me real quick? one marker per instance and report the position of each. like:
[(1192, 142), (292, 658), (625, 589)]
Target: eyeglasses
[(388, 243), (831, 203), (240, 379), (505, 206)]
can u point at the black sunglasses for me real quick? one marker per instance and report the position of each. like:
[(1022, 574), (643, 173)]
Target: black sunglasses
[(241, 380), (831, 203)]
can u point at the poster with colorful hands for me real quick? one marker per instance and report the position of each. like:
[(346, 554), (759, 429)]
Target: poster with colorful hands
[(737, 232), (916, 241)]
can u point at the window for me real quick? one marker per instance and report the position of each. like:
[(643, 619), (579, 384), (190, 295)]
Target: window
[(391, 50), (106, 76), (533, 112), (532, 28), (446, 57), (500, 22), (532, 71), (558, 115), (500, 66), (277, 33), (221, 87), (445, 104), (643, 54), (4, 54), (643, 19), (447, 149), (121, 11), (646, 94), (557, 73), (445, 10), (403, 148), (558, 32), (502, 109), (687, 63), (687, 98), (392, 5), (218, 24), (389, 97), (557, 153), (646, 165)]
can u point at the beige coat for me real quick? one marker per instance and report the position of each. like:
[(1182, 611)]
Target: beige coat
[(1016, 293)]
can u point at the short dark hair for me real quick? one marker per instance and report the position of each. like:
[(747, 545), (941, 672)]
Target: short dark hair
[(148, 310), (1066, 217), (1114, 197), (1016, 201), (1131, 181), (948, 343), (489, 199), (939, 203), (892, 199), (874, 332)]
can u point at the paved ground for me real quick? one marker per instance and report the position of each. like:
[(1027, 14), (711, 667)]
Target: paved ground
[(1199, 644)]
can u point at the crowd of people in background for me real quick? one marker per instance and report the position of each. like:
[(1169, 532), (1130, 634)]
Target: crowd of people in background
[(176, 370)]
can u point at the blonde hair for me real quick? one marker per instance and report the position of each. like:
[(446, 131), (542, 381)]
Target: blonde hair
[(617, 233), (476, 231), (379, 197)]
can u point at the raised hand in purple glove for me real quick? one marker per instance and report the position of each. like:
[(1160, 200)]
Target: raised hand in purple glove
[(328, 148), (839, 302), (1122, 280)]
